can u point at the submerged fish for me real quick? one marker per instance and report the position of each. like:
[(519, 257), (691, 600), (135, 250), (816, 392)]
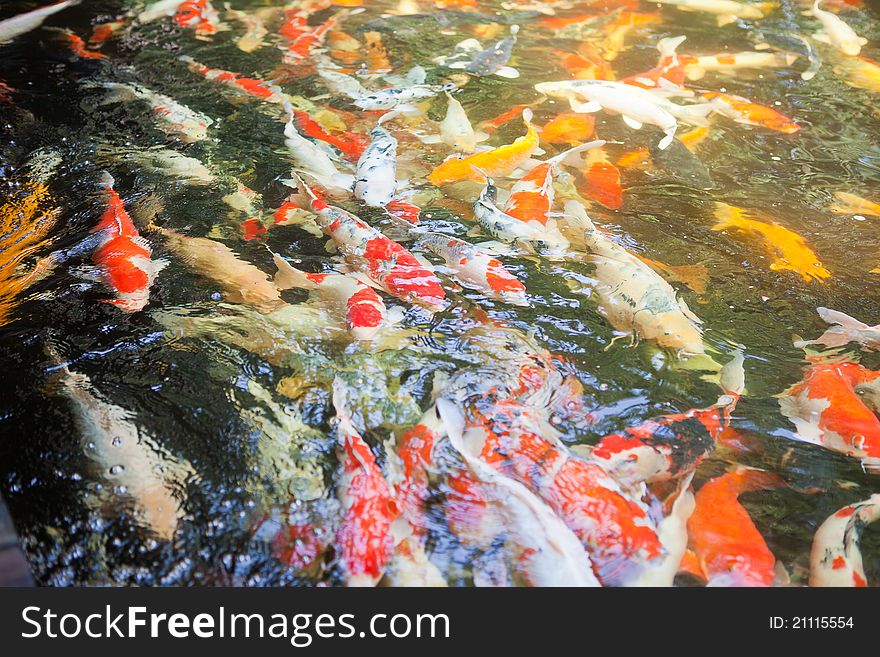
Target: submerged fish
[(492, 61), (836, 31), (375, 181), (456, 129), (793, 44), (10, 28), (844, 329), (742, 110), (835, 559), (726, 11), (852, 204), (789, 250)]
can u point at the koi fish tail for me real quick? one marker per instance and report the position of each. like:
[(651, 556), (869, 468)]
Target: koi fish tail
[(290, 277), (668, 46), (745, 480), (564, 155)]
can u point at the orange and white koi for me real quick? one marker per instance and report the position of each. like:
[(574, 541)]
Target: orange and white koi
[(299, 37), (174, 118), (499, 161), (617, 532), (835, 559), (531, 197), (159, 9), (636, 106), (365, 312), (601, 180), (726, 547), (77, 45), (670, 446), (742, 110), (103, 32), (634, 298), (696, 67), (123, 255), (844, 329), (669, 67), (384, 261), (351, 144), (13, 27), (789, 250), (851, 204), (531, 234), (836, 31), (726, 11), (313, 158), (364, 538), (6, 93), (199, 15), (827, 411), (247, 86)]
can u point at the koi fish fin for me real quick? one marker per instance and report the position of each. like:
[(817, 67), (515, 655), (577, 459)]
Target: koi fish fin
[(663, 144), (497, 248), (288, 277), (507, 72), (821, 37), (632, 123), (584, 108), (726, 20), (836, 317), (668, 46)]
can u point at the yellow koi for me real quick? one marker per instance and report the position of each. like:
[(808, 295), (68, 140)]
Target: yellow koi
[(852, 204), (789, 249)]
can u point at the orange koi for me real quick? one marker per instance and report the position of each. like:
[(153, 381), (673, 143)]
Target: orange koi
[(492, 125), (123, 255), (78, 46), (601, 180), (726, 548), (377, 56), (617, 30), (742, 110), (585, 64), (500, 161), (569, 128), (103, 32), (351, 144), (861, 72)]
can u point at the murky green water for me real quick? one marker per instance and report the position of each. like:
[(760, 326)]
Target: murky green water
[(239, 416)]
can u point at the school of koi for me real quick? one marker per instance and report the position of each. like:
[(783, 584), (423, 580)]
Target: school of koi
[(621, 512)]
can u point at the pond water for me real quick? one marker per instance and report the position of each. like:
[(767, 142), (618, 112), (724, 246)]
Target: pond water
[(189, 437)]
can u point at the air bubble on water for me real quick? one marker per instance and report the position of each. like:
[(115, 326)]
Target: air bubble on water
[(117, 441), (216, 296), (116, 469)]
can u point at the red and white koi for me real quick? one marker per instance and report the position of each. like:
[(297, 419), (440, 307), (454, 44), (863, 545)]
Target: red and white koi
[(384, 261), (250, 87), (531, 197), (198, 15), (531, 235), (742, 110), (365, 312), (351, 144), (313, 158), (836, 31), (364, 540), (123, 256), (299, 37), (669, 67), (835, 559)]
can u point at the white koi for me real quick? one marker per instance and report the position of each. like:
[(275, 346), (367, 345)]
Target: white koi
[(11, 28), (836, 31), (835, 559), (375, 181)]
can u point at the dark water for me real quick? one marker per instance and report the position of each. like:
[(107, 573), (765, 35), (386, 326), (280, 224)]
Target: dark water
[(209, 399)]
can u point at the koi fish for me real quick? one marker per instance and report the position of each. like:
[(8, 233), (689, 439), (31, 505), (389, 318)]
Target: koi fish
[(569, 128), (375, 181), (793, 44), (671, 446), (499, 161), (633, 298), (727, 549), (860, 72), (584, 64), (131, 464), (255, 29), (530, 234), (400, 99), (123, 255), (416, 454), (492, 61), (76, 44), (844, 329), (852, 204), (456, 129), (681, 164), (789, 250), (836, 31), (246, 86), (377, 56), (11, 28), (835, 559), (635, 106), (617, 29), (351, 144), (550, 552), (742, 110), (726, 11), (827, 411), (311, 158), (669, 67), (491, 125), (695, 68), (601, 180), (6, 93), (616, 531), (384, 261), (159, 9), (365, 312), (174, 118), (531, 197), (26, 217), (199, 15), (364, 539), (160, 160)]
